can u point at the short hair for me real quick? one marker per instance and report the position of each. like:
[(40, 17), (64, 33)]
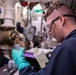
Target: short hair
[(57, 5)]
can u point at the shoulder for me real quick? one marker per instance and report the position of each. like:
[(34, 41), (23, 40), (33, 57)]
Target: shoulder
[(68, 46)]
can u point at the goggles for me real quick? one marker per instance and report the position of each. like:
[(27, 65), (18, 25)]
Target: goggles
[(50, 23)]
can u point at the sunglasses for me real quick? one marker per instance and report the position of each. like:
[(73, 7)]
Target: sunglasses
[(66, 15)]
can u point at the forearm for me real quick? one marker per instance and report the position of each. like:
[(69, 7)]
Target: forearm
[(18, 57), (30, 71)]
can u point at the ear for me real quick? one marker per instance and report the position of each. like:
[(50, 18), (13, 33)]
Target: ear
[(62, 20)]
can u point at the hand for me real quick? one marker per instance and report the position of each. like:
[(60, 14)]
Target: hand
[(18, 55), (18, 41)]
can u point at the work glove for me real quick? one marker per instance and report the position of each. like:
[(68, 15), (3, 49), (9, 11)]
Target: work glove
[(18, 55)]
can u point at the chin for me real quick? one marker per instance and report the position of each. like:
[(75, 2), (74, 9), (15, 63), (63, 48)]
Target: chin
[(59, 41)]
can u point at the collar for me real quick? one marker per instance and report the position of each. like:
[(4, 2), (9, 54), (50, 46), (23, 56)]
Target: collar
[(71, 34)]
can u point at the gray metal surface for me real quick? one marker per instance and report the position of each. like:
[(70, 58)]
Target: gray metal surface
[(5, 71)]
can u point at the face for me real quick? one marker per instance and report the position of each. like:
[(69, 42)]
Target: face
[(54, 27)]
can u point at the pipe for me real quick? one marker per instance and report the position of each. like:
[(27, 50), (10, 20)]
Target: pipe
[(9, 13), (8, 37)]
